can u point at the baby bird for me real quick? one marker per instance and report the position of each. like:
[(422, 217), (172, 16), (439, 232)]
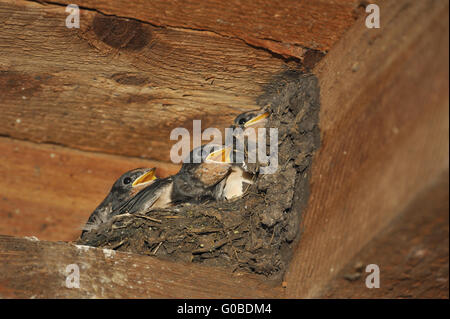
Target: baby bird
[(249, 122), (125, 188), (253, 119), (233, 185), (206, 167), (196, 181)]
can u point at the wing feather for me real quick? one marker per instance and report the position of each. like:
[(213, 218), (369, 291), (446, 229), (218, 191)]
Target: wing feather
[(145, 199)]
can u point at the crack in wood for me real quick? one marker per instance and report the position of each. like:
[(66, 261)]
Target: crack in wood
[(280, 54)]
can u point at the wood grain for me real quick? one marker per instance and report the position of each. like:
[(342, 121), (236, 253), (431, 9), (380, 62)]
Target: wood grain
[(412, 253), (288, 28), (49, 191), (117, 85), (384, 124), (37, 269)]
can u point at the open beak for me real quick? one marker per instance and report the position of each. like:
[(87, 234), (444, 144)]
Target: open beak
[(257, 119), (222, 155), (146, 177)]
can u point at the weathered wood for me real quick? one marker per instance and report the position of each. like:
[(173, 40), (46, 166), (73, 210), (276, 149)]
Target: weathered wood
[(37, 269), (288, 28), (118, 86), (384, 124), (49, 191), (412, 254)]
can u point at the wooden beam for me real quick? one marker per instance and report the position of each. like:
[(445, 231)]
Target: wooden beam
[(289, 28), (119, 86), (412, 253), (37, 269), (49, 191), (384, 124)]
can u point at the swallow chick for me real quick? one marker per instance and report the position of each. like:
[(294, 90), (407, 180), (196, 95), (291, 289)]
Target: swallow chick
[(249, 122), (198, 181), (235, 183), (126, 187), (156, 195), (253, 119), (195, 182)]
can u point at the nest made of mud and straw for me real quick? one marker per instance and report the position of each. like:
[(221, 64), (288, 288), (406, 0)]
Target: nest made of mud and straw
[(255, 233)]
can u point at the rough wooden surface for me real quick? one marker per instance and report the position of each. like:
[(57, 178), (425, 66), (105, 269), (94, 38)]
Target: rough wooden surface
[(384, 123), (119, 86), (412, 254), (49, 191), (37, 269), (116, 86), (288, 28)]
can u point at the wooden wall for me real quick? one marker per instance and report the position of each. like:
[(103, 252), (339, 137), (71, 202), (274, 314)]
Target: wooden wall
[(119, 85), (80, 106)]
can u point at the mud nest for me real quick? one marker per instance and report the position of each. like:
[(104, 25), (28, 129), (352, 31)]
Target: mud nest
[(255, 233)]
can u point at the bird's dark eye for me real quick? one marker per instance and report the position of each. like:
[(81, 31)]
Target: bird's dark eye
[(242, 121), (127, 180)]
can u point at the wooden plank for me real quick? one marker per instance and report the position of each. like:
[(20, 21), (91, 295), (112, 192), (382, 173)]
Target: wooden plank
[(384, 125), (381, 145), (412, 254), (49, 191), (119, 86), (37, 269), (289, 28)]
